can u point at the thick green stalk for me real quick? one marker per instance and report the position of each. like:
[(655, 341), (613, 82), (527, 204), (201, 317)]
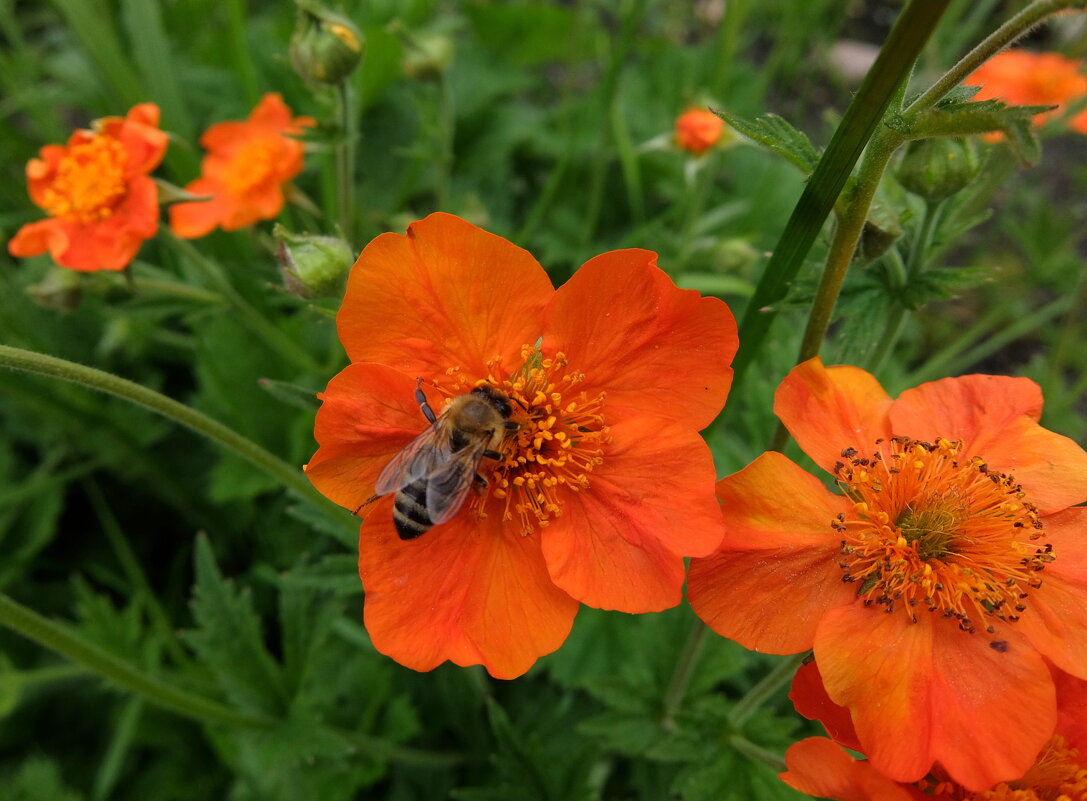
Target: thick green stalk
[(860, 121), (681, 676), (43, 364), (56, 638)]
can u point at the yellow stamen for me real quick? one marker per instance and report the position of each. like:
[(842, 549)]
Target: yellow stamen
[(89, 181)]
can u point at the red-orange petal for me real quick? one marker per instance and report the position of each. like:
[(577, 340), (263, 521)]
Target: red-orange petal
[(1071, 703), (620, 543), (367, 415), (819, 767), (447, 294), (199, 218), (1055, 620), (810, 700), (926, 691), (776, 572), (995, 417), (829, 409), (469, 591), (657, 350)]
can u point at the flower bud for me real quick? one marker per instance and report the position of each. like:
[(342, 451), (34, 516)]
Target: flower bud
[(697, 130), (312, 266), (881, 230), (427, 53), (936, 169), (325, 47)]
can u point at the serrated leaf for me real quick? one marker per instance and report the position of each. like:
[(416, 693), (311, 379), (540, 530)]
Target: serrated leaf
[(972, 118), (733, 778), (943, 284), (306, 619), (778, 136), (228, 639), (39, 779)]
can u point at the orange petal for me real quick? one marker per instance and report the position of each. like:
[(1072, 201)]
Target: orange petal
[(469, 591), (656, 349), (448, 294), (776, 572), (830, 409), (995, 417), (926, 691), (1071, 703), (1055, 620), (620, 544), (810, 700), (819, 767), (38, 237), (368, 414), (200, 218)]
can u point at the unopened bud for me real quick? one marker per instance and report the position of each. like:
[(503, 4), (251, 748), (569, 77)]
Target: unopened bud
[(881, 230), (936, 169), (697, 130), (312, 266), (325, 47), (427, 55)]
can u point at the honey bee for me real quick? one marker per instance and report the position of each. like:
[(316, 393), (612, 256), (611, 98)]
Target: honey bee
[(431, 476)]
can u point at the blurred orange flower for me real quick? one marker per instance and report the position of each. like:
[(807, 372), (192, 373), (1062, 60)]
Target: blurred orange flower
[(245, 169), (597, 493), (933, 587), (1023, 78), (96, 190), (820, 767), (697, 130)]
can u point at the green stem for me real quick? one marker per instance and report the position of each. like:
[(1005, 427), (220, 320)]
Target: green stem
[(681, 676), (347, 110), (896, 318), (271, 464), (51, 635), (1003, 36), (446, 133), (248, 314), (883, 82), (728, 36), (767, 688), (152, 286), (757, 753)]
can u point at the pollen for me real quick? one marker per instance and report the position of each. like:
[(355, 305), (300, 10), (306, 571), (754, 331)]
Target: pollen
[(560, 438), (89, 181), (1057, 775), (930, 530)]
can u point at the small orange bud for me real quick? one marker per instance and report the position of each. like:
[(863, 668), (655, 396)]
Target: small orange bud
[(697, 130)]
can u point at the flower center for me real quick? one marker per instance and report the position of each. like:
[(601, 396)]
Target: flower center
[(930, 529), (89, 181), (253, 165), (1056, 776), (558, 442)]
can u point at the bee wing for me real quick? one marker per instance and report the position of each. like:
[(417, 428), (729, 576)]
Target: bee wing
[(448, 486), (418, 459)]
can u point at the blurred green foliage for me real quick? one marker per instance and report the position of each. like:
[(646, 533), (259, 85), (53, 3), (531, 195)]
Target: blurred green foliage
[(548, 123)]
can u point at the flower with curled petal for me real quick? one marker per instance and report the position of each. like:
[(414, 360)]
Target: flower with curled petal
[(600, 489)]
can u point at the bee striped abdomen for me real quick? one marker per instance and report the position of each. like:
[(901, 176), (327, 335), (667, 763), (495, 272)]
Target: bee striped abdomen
[(409, 511)]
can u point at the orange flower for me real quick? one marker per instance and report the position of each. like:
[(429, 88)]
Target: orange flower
[(97, 193), (244, 171), (697, 130), (1023, 78), (934, 586), (819, 767), (595, 495)]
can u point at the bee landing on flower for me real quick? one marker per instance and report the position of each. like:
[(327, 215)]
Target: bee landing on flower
[(935, 587), (594, 495)]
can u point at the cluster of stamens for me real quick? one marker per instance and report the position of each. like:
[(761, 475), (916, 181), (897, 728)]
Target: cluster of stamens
[(260, 162), (89, 181), (1055, 776), (931, 530), (558, 441)]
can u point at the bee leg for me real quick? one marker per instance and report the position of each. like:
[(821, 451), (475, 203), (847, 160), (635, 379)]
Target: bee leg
[(492, 454), (420, 398), (481, 482), (511, 425)]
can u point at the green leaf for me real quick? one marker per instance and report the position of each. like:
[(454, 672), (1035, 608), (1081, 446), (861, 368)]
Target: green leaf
[(732, 777), (778, 136), (971, 118), (943, 284), (38, 779), (229, 641)]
